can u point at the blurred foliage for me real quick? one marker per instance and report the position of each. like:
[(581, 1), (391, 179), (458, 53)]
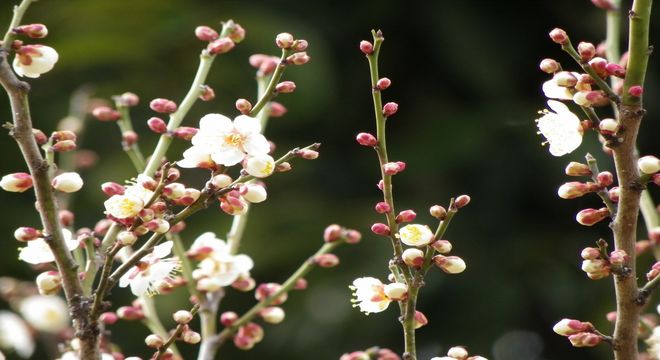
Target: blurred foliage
[(465, 76)]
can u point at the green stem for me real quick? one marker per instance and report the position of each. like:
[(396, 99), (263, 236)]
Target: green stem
[(133, 150), (19, 12), (612, 41), (602, 84), (269, 93), (602, 193), (90, 254), (174, 336)]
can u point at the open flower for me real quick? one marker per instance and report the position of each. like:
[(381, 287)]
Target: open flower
[(225, 142), (561, 128), (14, 334), (48, 313), (218, 267), (131, 202), (150, 272), (33, 60), (416, 235), (369, 295), (38, 252)]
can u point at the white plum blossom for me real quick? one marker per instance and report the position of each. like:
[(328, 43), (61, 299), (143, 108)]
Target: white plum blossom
[(38, 252), (14, 334), (369, 295), (416, 235), (34, 60), (225, 142), (151, 271), (47, 313), (561, 128), (131, 202), (218, 266), (261, 165)]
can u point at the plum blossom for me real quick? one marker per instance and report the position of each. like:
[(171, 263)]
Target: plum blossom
[(561, 128), (225, 142), (47, 313), (33, 60), (218, 267), (14, 334), (38, 252), (369, 295), (416, 235), (131, 202), (150, 272)]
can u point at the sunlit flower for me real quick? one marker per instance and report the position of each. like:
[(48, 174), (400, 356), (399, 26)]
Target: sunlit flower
[(369, 295), (561, 128), (45, 313), (14, 334), (38, 252), (150, 272), (225, 142), (131, 202), (416, 235), (260, 165), (218, 267), (33, 60), (552, 89)]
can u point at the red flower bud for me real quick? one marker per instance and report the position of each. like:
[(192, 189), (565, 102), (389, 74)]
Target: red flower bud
[(157, 125), (366, 139), (559, 36), (366, 47), (390, 109), (164, 106), (205, 33)]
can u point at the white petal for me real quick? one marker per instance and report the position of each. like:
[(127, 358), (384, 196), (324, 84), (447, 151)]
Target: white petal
[(14, 334), (554, 91), (36, 252), (256, 144), (139, 285), (163, 249), (217, 123), (247, 125), (208, 239), (243, 263), (194, 156), (228, 156), (125, 279)]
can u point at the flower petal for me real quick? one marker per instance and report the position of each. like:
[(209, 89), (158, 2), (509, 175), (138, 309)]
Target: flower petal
[(256, 144), (247, 125), (163, 249), (228, 156)]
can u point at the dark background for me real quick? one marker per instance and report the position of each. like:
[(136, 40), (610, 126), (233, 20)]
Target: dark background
[(465, 76)]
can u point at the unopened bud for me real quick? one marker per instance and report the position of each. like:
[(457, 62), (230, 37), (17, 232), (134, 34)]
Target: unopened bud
[(67, 182), (457, 352), (383, 83), (406, 216), (462, 201), (332, 233), (128, 99), (577, 169), (39, 136), (390, 109), (382, 207), (174, 191), (605, 179), (221, 181), (586, 50), (105, 113), (243, 106), (366, 47), (413, 257), (549, 66), (299, 58), (130, 313), (285, 87), (353, 236), (237, 33), (26, 234), (366, 139), (617, 70), (129, 137), (618, 257), (158, 226), (450, 264), (277, 109), (284, 40), (300, 45), (584, 339), (49, 282), (66, 218), (574, 189), (308, 154), (127, 238), (206, 33), (326, 260), (272, 314), (636, 91), (163, 106), (34, 31), (220, 46), (182, 316), (157, 125), (559, 36), (566, 327), (191, 337), (64, 146), (604, 4), (442, 246), (614, 193), (589, 217), (648, 164), (396, 291), (267, 290), (227, 318), (590, 253), (63, 135), (420, 319), (380, 229), (438, 212), (565, 79), (599, 65), (154, 341), (185, 132), (206, 93), (108, 318)]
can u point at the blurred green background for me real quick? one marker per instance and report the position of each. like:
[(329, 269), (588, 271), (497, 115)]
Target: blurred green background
[(465, 76)]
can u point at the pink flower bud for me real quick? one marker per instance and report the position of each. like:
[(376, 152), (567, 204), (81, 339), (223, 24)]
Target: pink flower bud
[(599, 65), (27, 234), (390, 109), (285, 87), (575, 189), (383, 83), (301, 284), (441, 246), (396, 291), (105, 113), (39, 136), (413, 257), (154, 341), (63, 135), (604, 4), (308, 154), (277, 109), (272, 314), (590, 253), (158, 226), (654, 235), (67, 182), (617, 70), (129, 138), (267, 290), (207, 93), (565, 79), (549, 66), (380, 184), (163, 106), (112, 188), (64, 146), (157, 125), (654, 272), (613, 193), (300, 45), (244, 106), (227, 318), (353, 236), (656, 179), (366, 47), (127, 99), (34, 31), (406, 216), (300, 58), (332, 233), (205, 33), (220, 46), (182, 316), (589, 217), (618, 257), (462, 201), (130, 313), (185, 132), (243, 342), (380, 229), (326, 260), (366, 139), (450, 264), (596, 269), (611, 316), (636, 91), (108, 318), (566, 327), (284, 40), (191, 337), (584, 339), (382, 207), (559, 36), (66, 218), (608, 126), (586, 50), (237, 33), (605, 179), (420, 319), (391, 168), (438, 212), (577, 169), (49, 282)]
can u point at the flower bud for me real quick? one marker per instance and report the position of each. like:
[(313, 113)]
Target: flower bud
[(127, 237), (420, 319), (462, 201), (326, 260), (590, 253), (243, 106), (64, 146), (157, 125), (604, 4), (243, 342), (586, 50), (272, 314), (589, 217), (49, 282), (396, 291), (221, 181), (608, 126), (285, 87), (308, 154), (458, 353), (413, 257), (129, 138), (63, 135), (332, 233), (66, 218), (67, 182), (599, 65), (227, 318), (254, 193), (158, 226), (390, 109), (580, 98), (577, 169), (130, 313), (559, 36), (27, 234), (191, 337), (617, 70), (260, 165), (391, 168), (206, 93), (648, 164), (244, 284), (438, 212), (635, 91), (450, 264), (366, 139), (163, 106), (366, 47), (182, 316), (301, 284), (380, 229), (33, 60), (406, 216), (584, 339), (566, 327), (267, 290), (618, 257), (300, 45), (127, 99), (353, 236), (300, 58), (596, 269), (237, 33), (277, 109), (655, 271), (34, 31), (220, 46), (39, 136), (105, 113), (383, 83), (565, 79), (549, 66), (174, 191), (382, 207), (185, 132), (206, 33), (441, 246), (574, 189), (284, 40), (605, 179), (108, 318), (112, 188), (154, 341)]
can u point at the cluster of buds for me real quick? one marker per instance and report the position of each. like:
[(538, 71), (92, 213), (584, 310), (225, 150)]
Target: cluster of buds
[(597, 265), (248, 336), (34, 59), (371, 353), (458, 353), (600, 184), (220, 45), (61, 141), (130, 313), (580, 334), (654, 272)]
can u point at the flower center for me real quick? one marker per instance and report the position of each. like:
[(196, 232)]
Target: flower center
[(234, 139)]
